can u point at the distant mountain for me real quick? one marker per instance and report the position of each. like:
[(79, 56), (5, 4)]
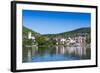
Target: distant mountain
[(71, 33), (80, 30)]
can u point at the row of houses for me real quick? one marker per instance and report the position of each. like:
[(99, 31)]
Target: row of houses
[(79, 39)]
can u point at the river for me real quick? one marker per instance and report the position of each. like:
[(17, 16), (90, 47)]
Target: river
[(56, 53)]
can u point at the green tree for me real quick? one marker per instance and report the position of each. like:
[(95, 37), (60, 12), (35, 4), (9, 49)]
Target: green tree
[(41, 40)]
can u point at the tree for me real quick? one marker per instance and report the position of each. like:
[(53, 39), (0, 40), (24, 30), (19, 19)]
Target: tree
[(41, 40)]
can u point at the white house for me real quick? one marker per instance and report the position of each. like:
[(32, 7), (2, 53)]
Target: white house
[(71, 41), (62, 41)]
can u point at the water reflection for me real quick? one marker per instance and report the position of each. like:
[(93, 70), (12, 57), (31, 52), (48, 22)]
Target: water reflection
[(56, 53)]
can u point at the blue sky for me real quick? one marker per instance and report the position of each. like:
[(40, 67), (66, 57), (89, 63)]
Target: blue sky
[(49, 22)]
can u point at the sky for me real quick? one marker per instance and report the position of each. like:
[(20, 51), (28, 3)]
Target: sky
[(49, 22)]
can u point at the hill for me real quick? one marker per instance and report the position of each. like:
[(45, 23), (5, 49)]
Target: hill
[(26, 30), (70, 33)]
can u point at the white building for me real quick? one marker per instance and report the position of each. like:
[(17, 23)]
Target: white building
[(62, 41), (71, 41), (30, 36)]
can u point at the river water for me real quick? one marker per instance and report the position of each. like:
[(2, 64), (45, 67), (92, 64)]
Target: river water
[(56, 53)]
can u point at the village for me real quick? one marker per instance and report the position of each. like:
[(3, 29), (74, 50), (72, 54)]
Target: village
[(75, 40), (80, 38)]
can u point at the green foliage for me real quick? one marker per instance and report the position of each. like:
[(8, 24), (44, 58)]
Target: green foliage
[(41, 40), (26, 30), (27, 41), (88, 39)]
